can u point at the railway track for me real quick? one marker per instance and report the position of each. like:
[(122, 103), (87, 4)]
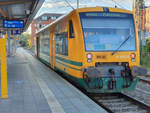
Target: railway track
[(120, 103), (142, 91), (145, 79)]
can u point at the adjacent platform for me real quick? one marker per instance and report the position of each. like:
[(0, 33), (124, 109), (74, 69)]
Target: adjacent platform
[(35, 88)]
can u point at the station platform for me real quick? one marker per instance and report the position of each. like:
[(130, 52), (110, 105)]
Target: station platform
[(35, 88)]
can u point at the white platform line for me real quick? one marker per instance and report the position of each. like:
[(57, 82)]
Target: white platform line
[(50, 97)]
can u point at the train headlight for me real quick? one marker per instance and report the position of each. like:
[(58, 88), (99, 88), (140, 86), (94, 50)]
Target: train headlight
[(89, 60), (89, 57)]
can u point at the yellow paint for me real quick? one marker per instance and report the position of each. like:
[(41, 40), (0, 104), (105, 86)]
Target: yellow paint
[(52, 50), (76, 48), (29, 42), (34, 38), (6, 36), (70, 71), (4, 93), (90, 9)]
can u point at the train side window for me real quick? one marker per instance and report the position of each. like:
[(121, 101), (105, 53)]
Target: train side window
[(62, 43), (71, 30)]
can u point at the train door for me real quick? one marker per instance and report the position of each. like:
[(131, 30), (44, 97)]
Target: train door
[(37, 46), (52, 55)]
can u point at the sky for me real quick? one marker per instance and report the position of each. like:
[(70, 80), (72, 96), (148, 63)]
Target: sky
[(147, 2), (60, 6)]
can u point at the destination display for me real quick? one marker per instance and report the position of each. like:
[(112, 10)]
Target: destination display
[(103, 14), (13, 24)]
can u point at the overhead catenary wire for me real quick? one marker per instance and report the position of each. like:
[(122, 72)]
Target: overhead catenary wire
[(69, 4), (77, 4), (119, 4)]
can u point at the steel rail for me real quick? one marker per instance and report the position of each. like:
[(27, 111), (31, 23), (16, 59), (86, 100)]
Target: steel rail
[(97, 97), (145, 81)]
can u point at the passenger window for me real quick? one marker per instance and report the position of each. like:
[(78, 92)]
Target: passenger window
[(62, 43), (71, 30)]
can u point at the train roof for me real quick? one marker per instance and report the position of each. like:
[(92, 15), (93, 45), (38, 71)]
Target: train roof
[(98, 7), (47, 26), (83, 10)]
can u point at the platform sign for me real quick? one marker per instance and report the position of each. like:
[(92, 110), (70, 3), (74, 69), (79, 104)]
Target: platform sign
[(13, 24), (15, 32)]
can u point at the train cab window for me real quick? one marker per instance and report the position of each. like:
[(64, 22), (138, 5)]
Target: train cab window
[(71, 30)]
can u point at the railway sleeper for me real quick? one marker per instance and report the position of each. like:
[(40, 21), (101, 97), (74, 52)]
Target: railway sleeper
[(140, 111), (128, 109), (109, 97), (110, 101), (118, 104)]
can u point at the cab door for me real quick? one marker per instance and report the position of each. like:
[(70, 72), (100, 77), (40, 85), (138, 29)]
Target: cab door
[(52, 51)]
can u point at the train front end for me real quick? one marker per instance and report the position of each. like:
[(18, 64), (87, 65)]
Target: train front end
[(111, 55)]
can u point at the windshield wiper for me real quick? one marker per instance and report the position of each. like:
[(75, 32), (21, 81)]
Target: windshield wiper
[(121, 44)]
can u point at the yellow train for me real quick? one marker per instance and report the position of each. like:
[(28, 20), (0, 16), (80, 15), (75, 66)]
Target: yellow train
[(96, 47)]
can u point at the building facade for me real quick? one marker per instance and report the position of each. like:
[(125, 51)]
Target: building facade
[(142, 14), (147, 19), (41, 22), (139, 10)]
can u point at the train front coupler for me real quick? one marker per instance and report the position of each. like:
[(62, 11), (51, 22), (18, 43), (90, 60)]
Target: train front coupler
[(103, 77)]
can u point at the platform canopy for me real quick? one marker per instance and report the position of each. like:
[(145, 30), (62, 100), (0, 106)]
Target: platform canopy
[(19, 10)]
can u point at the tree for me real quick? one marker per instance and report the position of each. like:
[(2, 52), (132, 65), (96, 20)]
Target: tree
[(24, 39)]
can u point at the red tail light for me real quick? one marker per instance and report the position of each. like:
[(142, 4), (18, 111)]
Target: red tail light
[(133, 55)]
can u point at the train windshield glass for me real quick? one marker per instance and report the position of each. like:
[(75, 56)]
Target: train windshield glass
[(106, 31)]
